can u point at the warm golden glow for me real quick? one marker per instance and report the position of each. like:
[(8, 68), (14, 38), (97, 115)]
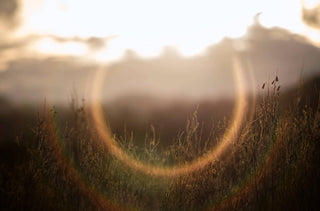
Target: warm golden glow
[(147, 26)]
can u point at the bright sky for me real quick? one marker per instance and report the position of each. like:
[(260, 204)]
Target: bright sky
[(148, 25)]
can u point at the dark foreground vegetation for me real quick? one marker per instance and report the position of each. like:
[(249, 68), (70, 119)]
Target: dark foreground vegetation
[(57, 163)]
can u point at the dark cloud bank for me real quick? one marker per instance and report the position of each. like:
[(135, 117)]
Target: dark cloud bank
[(269, 52)]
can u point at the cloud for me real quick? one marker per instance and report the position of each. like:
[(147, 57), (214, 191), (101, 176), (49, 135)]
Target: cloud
[(9, 12), (93, 43), (11, 49), (18, 43), (269, 52), (311, 16), (8, 8)]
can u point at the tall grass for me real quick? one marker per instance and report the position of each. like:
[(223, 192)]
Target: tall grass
[(273, 165)]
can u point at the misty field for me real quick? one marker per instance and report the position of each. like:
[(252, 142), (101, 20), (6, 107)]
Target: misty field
[(54, 159)]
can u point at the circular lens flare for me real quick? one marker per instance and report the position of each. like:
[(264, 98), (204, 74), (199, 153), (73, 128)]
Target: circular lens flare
[(197, 164)]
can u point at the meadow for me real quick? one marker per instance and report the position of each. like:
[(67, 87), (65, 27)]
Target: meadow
[(53, 158)]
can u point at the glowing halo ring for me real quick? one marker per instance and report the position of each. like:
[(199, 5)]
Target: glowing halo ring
[(230, 134)]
